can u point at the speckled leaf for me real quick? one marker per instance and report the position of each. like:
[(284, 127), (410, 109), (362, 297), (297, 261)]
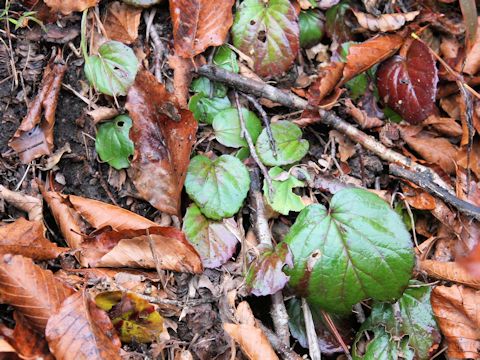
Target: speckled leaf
[(283, 199), (219, 186), (408, 84), (205, 108), (357, 249), (215, 241), (412, 317), (290, 145), (267, 31), (228, 129), (113, 144), (383, 347), (113, 70), (311, 27), (265, 275)]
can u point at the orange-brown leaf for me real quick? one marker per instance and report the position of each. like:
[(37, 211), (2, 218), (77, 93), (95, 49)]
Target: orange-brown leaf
[(252, 341), (198, 24), (33, 291), (361, 117), (81, 331), (474, 164), (182, 77), (27, 238), (31, 141), (457, 310), (68, 6), (122, 21), (450, 271), (163, 135), (384, 22), (327, 80)]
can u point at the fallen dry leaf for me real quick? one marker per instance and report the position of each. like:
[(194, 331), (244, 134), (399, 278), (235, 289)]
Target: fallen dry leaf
[(467, 191), (418, 198), (450, 271), (28, 343), (361, 117), (198, 24), (68, 6), (34, 136), (384, 22), (472, 62), (474, 163), (79, 330), (445, 125), (27, 238), (328, 78), (122, 21), (182, 77), (163, 137), (31, 290), (31, 205), (457, 310)]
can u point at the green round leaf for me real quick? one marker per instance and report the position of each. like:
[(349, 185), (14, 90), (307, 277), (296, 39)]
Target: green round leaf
[(214, 241), (208, 88), (113, 144), (357, 249), (226, 59), (113, 70), (218, 187), (205, 109), (228, 129), (268, 31), (311, 28), (290, 146), (283, 200)]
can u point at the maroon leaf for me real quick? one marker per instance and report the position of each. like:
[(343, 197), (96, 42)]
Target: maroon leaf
[(408, 84)]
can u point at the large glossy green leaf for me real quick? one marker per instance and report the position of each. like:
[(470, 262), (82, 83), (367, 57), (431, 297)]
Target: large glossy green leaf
[(113, 143), (410, 318), (383, 347), (357, 249), (311, 27), (283, 199), (290, 145), (268, 32), (228, 129), (205, 108), (218, 187), (113, 70), (215, 241)]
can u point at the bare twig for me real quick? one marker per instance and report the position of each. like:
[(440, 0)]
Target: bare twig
[(158, 47), (313, 348), (285, 352)]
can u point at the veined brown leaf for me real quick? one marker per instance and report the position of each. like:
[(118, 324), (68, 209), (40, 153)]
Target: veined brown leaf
[(122, 21), (450, 271)]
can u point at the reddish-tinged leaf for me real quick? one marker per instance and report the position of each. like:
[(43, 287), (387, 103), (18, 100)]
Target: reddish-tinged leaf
[(328, 78), (122, 21), (267, 31), (198, 24), (450, 271), (252, 341), (457, 310), (33, 291), (384, 22), (133, 248), (418, 198), (27, 238), (68, 6), (34, 136), (409, 84), (163, 136), (79, 330), (28, 343)]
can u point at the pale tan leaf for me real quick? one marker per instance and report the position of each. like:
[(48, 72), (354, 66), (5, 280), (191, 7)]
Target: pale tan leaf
[(68, 6), (384, 22), (122, 21), (81, 331), (450, 271), (252, 341)]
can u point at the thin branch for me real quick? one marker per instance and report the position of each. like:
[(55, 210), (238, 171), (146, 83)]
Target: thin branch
[(313, 348)]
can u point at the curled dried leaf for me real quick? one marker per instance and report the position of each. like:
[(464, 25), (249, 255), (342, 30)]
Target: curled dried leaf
[(384, 22)]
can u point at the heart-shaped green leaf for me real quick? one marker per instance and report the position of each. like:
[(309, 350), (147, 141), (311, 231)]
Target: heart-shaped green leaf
[(214, 241), (357, 249), (113, 144), (203, 85), (226, 59), (268, 31), (283, 199), (113, 70), (290, 145), (311, 27), (228, 129), (412, 315), (205, 108), (218, 187)]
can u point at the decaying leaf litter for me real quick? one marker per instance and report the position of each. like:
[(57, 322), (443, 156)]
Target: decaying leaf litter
[(239, 179)]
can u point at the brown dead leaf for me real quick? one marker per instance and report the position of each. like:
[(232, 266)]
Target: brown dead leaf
[(474, 157), (182, 77), (346, 148), (33, 291), (122, 21), (27, 342), (68, 6), (457, 310), (472, 62), (418, 198), (467, 191), (199, 24), (79, 330), (444, 125), (31, 205), (450, 271), (27, 238), (133, 248), (361, 117), (163, 136), (252, 341), (328, 78), (34, 136), (434, 149), (384, 22)]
